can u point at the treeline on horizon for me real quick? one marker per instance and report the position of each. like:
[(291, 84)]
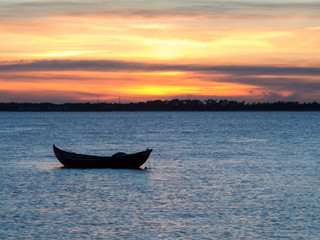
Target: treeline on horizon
[(166, 105)]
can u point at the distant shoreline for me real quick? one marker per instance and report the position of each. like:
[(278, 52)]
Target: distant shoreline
[(163, 105)]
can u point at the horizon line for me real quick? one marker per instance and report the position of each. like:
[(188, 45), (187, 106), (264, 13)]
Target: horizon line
[(163, 100)]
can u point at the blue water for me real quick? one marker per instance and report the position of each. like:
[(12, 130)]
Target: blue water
[(213, 175)]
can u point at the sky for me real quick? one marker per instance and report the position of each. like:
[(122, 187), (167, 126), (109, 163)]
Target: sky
[(139, 50)]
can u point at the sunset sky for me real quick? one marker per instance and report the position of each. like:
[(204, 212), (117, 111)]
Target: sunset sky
[(82, 51)]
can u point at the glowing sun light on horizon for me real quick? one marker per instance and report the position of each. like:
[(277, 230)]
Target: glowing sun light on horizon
[(159, 90)]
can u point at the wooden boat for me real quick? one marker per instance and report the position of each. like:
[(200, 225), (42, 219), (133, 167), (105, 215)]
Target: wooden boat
[(118, 160)]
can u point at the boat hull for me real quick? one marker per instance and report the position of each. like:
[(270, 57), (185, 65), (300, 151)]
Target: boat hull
[(120, 160)]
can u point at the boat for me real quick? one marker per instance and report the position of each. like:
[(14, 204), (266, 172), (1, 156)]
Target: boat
[(118, 160)]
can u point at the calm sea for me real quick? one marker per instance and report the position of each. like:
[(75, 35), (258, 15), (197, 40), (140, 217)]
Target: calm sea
[(213, 175)]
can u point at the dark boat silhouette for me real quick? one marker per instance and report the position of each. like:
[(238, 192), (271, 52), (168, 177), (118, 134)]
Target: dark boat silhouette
[(118, 160)]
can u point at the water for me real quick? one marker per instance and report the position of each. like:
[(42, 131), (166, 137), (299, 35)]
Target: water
[(213, 175)]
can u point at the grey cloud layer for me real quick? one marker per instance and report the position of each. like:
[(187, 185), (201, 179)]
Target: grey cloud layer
[(145, 9), (109, 65), (297, 79)]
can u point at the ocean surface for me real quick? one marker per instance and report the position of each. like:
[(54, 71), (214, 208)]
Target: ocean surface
[(211, 175)]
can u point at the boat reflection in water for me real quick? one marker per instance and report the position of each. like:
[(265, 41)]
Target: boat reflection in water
[(118, 160)]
